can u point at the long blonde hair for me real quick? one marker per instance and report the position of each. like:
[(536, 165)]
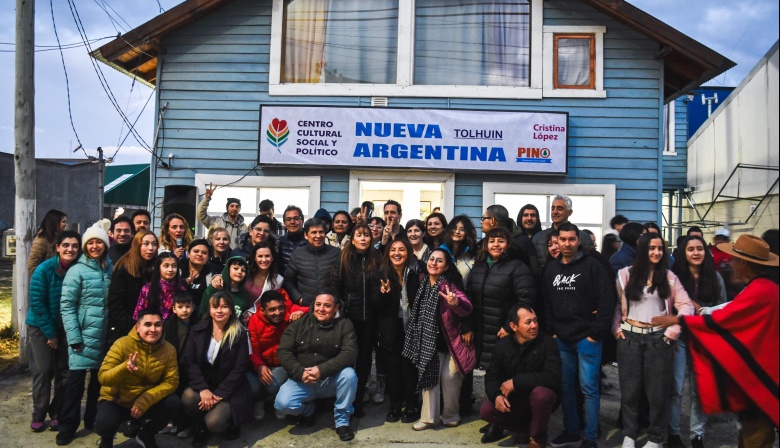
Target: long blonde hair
[(165, 239), (233, 328)]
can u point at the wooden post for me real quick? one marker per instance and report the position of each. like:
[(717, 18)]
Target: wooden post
[(24, 163)]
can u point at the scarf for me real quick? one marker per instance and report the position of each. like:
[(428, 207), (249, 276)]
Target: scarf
[(734, 352), (167, 290), (420, 342)]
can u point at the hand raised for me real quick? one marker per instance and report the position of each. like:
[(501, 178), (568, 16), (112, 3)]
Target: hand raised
[(385, 286), (210, 190), (449, 296), (132, 363)]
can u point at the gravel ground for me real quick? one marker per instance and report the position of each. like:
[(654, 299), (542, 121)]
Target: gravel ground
[(371, 431)]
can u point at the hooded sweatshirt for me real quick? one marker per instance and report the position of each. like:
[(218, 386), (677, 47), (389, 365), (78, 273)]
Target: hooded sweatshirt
[(579, 298), (241, 299)]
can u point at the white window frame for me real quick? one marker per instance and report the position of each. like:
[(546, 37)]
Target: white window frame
[(405, 66), (549, 91), (310, 182), (670, 143), (448, 179), (607, 191)]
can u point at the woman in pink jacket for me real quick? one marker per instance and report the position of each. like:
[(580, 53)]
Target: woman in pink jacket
[(433, 341)]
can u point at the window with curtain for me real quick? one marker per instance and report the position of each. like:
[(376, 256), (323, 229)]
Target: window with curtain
[(340, 41), (472, 43), (574, 61)]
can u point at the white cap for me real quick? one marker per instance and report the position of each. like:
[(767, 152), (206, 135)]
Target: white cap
[(723, 232)]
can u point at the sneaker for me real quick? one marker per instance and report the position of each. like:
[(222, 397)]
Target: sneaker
[(167, 429), (279, 414), (565, 439), (54, 425), (493, 433), (697, 442), (628, 442), (37, 426), (674, 441), (366, 396), (306, 421), (130, 428), (259, 412), (64, 438), (590, 444), (379, 392), (146, 440), (106, 442), (345, 433), (186, 433)]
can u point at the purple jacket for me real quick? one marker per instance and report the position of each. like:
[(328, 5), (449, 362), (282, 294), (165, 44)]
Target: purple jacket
[(465, 356)]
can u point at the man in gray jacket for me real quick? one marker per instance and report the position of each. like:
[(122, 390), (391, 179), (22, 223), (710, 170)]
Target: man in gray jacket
[(230, 220), (319, 351), (312, 268)]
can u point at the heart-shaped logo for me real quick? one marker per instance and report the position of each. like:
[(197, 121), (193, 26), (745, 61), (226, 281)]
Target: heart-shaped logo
[(278, 124), (277, 133)]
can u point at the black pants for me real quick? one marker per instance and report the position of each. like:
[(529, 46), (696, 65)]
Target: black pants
[(400, 373), (218, 420), (365, 331), (70, 416), (111, 415)]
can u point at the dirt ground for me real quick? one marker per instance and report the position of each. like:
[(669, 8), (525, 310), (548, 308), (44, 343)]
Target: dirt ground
[(372, 431)]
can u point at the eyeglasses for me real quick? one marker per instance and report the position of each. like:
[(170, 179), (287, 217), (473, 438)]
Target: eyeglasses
[(485, 217), (436, 260), (261, 230), (292, 218)]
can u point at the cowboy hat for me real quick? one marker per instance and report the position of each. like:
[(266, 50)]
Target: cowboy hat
[(750, 248)]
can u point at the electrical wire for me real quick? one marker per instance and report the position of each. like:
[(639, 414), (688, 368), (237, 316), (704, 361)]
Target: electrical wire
[(134, 122), (67, 82)]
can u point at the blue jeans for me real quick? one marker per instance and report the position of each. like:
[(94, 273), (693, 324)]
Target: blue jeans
[(679, 363), (583, 356), (698, 417), (297, 398), (279, 377)]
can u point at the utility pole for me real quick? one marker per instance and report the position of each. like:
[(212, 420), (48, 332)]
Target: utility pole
[(24, 163), (101, 169)]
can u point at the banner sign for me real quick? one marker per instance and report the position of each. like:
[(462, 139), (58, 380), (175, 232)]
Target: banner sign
[(526, 142)]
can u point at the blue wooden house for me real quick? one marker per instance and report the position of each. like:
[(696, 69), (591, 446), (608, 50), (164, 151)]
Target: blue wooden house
[(488, 76)]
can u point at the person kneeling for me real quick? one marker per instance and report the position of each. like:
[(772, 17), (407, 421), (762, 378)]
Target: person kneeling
[(139, 376), (523, 382), (319, 351), (218, 398)]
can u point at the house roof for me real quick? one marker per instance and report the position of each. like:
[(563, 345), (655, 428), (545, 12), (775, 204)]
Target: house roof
[(126, 185), (687, 63)]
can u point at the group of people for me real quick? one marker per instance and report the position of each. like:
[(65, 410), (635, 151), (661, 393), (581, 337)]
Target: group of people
[(197, 336)]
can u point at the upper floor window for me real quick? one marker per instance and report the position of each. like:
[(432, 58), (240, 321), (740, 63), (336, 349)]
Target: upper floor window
[(407, 48), (574, 61)]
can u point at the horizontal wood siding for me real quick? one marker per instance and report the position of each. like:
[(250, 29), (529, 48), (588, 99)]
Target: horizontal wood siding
[(676, 167), (214, 76)]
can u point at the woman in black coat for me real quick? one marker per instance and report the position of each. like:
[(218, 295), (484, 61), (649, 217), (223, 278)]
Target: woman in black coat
[(218, 398), (131, 272), (394, 287), (496, 283)]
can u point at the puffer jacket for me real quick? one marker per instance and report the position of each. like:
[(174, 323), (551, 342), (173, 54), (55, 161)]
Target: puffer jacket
[(355, 290), (230, 381), (312, 271), (84, 310), (388, 305), (265, 337), (45, 291), (156, 378), (288, 243), (331, 347), (493, 292)]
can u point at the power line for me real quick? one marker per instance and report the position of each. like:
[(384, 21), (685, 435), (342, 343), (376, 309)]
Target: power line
[(134, 122), (67, 82)]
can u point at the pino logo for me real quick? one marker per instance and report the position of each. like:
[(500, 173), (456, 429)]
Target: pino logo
[(533, 155), (277, 133)]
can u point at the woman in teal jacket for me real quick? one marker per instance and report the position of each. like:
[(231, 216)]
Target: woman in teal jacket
[(85, 319), (46, 346)]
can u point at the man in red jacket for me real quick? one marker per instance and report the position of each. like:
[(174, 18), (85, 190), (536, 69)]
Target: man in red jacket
[(275, 312)]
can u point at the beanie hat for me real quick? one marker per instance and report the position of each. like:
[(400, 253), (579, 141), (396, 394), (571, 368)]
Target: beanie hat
[(323, 215), (97, 230), (233, 200)]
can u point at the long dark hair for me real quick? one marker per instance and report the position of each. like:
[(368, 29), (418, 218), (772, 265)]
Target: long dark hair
[(273, 270), (638, 273), (373, 258), (50, 225), (495, 232), (429, 240), (608, 245), (451, 273), (350, 227), (469, 244), (153, 297), (537, 227), (386, 269), (709, 287)]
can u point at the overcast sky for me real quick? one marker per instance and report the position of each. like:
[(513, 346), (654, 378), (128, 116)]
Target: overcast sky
[(741, 30)]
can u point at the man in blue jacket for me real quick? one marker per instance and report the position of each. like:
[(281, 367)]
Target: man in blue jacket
[(580, 301)]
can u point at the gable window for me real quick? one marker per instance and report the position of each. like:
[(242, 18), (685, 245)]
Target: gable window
[(574, 61), (431, 48)]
